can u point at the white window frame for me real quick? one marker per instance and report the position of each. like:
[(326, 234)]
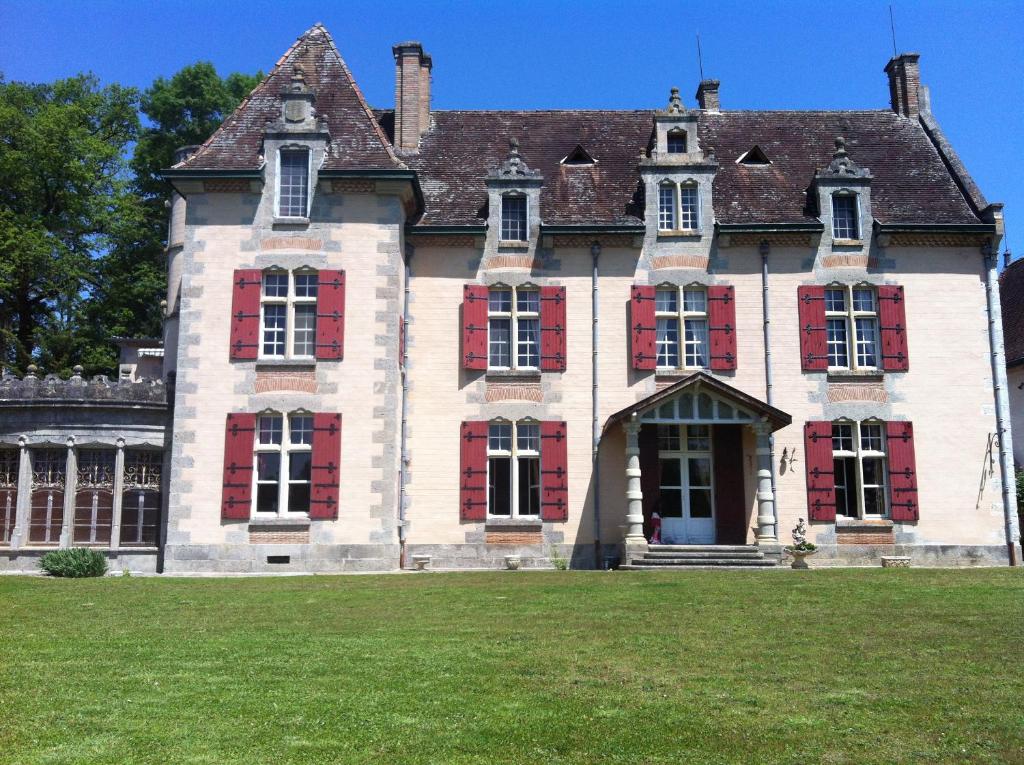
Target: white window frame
[(291, 301), (850, 317), (684, 453), (666, 217), (859, 453), (514, 315), (674, 221), (526, 216), (855, 197), (683, 318), (280, 177), (517, 455), (284, 449)]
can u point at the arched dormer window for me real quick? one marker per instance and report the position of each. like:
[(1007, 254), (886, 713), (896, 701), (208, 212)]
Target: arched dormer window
[(293, 183), (676, 141), (845, 215), (514, 217)]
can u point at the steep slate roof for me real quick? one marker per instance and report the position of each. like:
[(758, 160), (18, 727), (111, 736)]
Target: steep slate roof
[(357, 140), (1011, 294)]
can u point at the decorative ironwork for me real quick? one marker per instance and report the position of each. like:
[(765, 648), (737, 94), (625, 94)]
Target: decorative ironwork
[(9, 468), (96, 469), (49, 468), (143, 470)]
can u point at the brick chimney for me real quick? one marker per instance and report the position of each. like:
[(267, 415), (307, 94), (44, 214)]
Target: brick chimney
[(904, 84), (412, 94), (707, 95)]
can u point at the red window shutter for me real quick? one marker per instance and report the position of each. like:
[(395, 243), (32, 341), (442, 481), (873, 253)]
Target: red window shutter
[(813, 336), (330, 315), (552, 329), (474, 326), (722, 327), (236, 498), (644, 327), (902, 472), (554, 471), (473, 471), (326, 473), (821, 479), (245, 314), (892, 319)]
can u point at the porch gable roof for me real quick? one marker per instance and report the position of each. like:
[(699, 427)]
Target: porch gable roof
[(702, 382)]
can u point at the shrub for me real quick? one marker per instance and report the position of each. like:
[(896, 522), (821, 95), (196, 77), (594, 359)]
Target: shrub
[(75, 563)]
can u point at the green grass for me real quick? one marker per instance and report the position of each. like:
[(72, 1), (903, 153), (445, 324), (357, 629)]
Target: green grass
[(855, 666)]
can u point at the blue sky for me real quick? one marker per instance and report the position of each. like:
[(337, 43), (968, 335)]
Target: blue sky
[(536, 54)]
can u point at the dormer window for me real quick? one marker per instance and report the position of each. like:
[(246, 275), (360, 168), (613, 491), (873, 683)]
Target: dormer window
[(667, 207), (513, 218), (293, 184), (678, 207), (845, 223), (677, 142)]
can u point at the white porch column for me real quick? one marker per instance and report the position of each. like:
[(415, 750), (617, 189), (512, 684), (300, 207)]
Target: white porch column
[(766, 532), (636, 542), (115, 521), (24, 502), (70, 490)]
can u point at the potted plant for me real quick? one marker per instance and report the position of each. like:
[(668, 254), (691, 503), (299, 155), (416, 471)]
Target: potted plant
[(801, 548)]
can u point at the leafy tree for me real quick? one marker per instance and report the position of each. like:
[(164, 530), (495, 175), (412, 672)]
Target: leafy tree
[(64, 191)]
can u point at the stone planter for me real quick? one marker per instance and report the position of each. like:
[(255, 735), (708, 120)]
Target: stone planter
[(512, 562), (895, 561), (799, 558), (420, 562)]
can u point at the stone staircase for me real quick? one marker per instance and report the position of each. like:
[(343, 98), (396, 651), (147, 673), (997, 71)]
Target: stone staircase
[(670, 557)]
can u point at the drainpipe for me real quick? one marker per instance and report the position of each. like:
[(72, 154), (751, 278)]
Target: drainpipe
[(999, 384), (404, 372), (595, 252), (764, 249)]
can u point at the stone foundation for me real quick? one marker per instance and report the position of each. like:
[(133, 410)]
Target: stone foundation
[(277, 558), (946, 556), (26, 560), (492, 556)]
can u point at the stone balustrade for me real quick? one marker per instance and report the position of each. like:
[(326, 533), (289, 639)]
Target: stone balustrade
[(32, 389)]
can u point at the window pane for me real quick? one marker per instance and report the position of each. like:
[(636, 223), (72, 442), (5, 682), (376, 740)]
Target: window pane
[(527, 301), (499, 490), (666, 301), (668, 438), (671, 503), (696, 343), (268, 466), (270, 429), (304, 339), (838, 351), (867, 347), (874, 471), (695, 301), (698, 438), (513, 218), (300, 429), (298, 498), (274, 318), (529, 486), (845, 472), (835, 300), (275, 284), (667, 342), (294, 183), (844, 217), (528, 437), (863, 300), (499, 437), (306, 285), (700, 503), (842, 437), (300, 466), (688, 213), (871, 437), (677, 142), (670, 473), (700, 472), (499, 301), (528, 343), (266, 498), (500, 341), (874, 501), (666, 208)]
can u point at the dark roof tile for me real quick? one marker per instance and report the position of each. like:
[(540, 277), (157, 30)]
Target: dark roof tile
[(1011, 295)]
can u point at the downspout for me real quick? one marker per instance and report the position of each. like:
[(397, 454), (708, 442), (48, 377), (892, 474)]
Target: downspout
[(999, 389), (404, 372), (764, 249), (595, 251)]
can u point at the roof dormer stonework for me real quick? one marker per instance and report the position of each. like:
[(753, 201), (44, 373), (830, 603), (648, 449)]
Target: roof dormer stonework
[(513, 205), (844, 200)]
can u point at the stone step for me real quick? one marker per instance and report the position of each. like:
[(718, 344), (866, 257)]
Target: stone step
[(700, 554), (703, 548), (715, 562), (703, 566)]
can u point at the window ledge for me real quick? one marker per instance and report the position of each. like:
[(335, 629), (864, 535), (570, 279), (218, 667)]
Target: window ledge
[(519, 524), (682, 233), (291, 523), (856, 375), (847, 242), (278, 363), (513, 374), (509, 244), (863, 523), (677, 373), (289, 221)]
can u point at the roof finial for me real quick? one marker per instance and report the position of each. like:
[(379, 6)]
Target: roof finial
[(840, 148), (675, 103)]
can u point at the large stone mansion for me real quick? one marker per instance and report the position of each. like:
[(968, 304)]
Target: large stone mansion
[(652, 337)]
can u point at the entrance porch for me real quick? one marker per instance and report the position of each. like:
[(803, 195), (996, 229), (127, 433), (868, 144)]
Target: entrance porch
[(698, 475)]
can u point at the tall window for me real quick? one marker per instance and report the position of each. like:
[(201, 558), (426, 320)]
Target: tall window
[(692, 319), (289, 301), (140, 504), (851, 312), (678, 207), (513, 328), (49, 473), (513, 218), (858, 455), (513, 469), (94, 497), (293, 189), (9, 460), (284, 460), (677, 142), (844, 217)]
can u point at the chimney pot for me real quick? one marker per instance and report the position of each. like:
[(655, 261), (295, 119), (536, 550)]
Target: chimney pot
[(707, 95), (412, 94), (904, 84)]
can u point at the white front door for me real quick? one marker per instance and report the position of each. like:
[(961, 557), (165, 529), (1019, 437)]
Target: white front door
[(687, 505)]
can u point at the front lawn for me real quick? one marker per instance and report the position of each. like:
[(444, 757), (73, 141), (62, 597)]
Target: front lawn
[(854, 666)]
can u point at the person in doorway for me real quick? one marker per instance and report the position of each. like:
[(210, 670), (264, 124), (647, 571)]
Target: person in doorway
[(655, 529)]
